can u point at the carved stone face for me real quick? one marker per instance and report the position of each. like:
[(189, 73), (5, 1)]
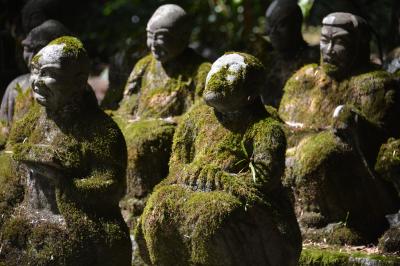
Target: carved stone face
[(344, 44), (55, 78), (167, 32), (225, 90), (337, 48), (49, 78)]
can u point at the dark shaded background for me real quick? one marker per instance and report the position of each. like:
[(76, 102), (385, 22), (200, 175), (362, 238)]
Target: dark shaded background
[(113, 31)]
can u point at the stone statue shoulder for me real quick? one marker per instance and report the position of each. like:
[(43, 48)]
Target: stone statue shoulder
[(303, 79), (135, 78), (378, 96), (18, 85), (24, 127)]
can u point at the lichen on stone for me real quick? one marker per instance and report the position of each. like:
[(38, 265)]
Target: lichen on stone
[(90, 151), (71, 45), (210, 188)]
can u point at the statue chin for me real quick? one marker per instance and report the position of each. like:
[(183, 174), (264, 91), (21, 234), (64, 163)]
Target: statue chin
[(40, 99), (332, 70)]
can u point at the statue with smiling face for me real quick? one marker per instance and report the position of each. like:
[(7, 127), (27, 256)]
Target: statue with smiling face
[(290, 52), (18, 97), (223, 202), (338, 114), (72, 158), (161, 87)]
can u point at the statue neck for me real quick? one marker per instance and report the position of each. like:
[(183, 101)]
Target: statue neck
[(241, 117)]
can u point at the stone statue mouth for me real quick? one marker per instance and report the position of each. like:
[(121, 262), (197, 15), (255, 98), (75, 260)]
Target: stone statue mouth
[(39, 97), (329, 59)]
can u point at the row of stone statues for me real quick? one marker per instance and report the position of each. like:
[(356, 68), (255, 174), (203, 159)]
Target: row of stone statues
[(213, 175)]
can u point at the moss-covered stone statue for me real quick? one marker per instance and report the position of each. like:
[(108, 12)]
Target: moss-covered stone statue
[(72, 158), (388, 165), (223, 202), (18, 98), (162, 86), (290, 52), (338, 114)]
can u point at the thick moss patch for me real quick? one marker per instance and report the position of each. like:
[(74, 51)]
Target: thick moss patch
[(333, 256), (90, 150)]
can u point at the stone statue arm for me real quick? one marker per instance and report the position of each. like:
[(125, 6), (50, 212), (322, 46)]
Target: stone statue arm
[(104, 182), (268, 155), (200, 79), (134, 81), (260, 167), (183, 144), (363, 134)]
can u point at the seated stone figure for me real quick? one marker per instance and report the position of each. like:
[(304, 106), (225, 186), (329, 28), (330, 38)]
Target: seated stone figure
[(223, 202), (338, 115), (290, 52), (72, 158), (162, 86), (18, 96)]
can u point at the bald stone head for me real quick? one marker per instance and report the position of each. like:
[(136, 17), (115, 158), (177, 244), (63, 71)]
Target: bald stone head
[(59, 72), (344, 43), (283, 25), (40, 36), (168, 32), (234, 82)]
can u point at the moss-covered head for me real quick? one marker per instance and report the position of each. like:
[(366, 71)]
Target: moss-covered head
[(60, 72), (234, 82)]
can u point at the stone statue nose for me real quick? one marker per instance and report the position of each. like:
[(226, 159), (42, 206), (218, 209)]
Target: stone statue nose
[(330, 47)]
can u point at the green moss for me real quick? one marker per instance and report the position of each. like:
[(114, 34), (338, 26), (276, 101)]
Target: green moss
[(211, 186), (390, 241), (72, 46), (149, 146), (253, 73), (332, 256), (314, 150), (35, 59), (90, 155), (11, 187), (23, 102), (164, 90), (155, 91), (388, 161), (311, 96)]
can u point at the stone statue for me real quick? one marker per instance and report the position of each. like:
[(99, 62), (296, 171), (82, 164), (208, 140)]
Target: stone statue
[(338, 114), (223, 202), (18, 93), (161, 87), (290, 51), (35, 12), (72, 158)]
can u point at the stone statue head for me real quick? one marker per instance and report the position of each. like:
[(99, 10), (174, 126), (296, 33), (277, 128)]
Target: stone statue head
[(168, 32), (35, 12), (344, 43), (40, 36), (234, 82), (283, 25), (59, 72)]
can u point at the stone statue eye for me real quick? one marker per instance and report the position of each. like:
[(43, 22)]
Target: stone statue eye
[(324, 39), (340, 41)]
